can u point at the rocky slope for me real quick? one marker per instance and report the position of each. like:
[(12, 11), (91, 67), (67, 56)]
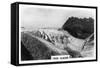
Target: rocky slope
[(44, 43)]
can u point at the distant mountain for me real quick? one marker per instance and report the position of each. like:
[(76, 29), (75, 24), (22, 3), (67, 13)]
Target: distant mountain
[(79, 27)]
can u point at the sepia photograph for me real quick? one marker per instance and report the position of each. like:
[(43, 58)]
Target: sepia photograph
[(55, 34)]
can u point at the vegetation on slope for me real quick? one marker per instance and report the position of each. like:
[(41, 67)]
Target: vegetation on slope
[(35, 48)]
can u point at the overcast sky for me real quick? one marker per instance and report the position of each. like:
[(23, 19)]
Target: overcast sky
[(41, 17)]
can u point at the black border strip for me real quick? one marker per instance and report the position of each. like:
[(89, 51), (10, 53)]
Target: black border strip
[(96, 33), (57, 5), (46, 4), (15, 34)]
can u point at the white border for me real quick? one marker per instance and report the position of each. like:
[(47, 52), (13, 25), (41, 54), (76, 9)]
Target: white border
[(43, 61)]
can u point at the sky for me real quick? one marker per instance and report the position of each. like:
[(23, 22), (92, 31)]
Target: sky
[(31, 16)]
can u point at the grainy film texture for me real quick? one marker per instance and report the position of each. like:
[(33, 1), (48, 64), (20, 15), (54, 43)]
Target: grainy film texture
[(53, 33)]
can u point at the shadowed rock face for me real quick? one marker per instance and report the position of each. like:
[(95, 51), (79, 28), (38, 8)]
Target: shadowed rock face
[(79, 27)]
